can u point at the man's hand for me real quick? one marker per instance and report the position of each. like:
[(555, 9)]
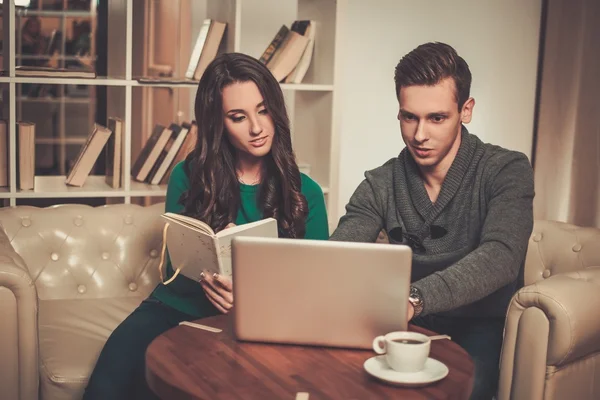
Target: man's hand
[(219, 290), (411, 311)]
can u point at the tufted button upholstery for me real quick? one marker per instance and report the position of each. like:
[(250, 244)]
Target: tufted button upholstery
[(560, 247), (546, 273), (102, 249), (133, 286)]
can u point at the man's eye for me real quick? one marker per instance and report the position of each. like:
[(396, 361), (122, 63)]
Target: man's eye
[(408, 117), (438, 118)]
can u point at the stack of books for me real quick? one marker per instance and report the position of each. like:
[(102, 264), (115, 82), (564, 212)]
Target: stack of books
[(289, 54), (164, 149)]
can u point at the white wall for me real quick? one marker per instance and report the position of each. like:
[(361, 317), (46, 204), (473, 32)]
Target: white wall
[(497, 38)]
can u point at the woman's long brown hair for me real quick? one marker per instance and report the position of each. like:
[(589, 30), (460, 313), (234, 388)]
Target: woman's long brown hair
[(214, 194)]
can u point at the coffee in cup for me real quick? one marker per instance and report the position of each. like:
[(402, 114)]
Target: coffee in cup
[(404, 351)]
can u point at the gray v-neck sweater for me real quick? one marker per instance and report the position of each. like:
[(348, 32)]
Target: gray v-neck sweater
[(485, 206)]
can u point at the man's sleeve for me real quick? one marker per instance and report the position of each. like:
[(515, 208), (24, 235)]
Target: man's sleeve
[(364, 216), (502, 247)]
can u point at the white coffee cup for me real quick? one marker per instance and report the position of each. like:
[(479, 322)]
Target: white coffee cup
[(404, 351)]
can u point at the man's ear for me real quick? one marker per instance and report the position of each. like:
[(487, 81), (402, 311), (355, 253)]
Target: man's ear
[(467, 110)]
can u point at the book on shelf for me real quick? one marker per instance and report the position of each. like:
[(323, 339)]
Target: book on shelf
[(26, 155), (175, 130), (306, 28), (210, 47), (197, 51), (46, 72), (287, 55), (206, 48), (114, 153), (193, 246), (3, 154), (274, 45), (88, 155), (171, 150), (188, 145), (150, 152)]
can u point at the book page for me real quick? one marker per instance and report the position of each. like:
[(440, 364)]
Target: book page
[(263, 228), (190, 222), (192, 251)]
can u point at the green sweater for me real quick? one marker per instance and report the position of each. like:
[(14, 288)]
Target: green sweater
[(186, 295)]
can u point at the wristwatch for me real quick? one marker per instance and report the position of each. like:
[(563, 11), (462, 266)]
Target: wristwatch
[(416, 300)]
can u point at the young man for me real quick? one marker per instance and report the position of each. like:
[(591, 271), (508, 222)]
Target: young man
[(465, 208)]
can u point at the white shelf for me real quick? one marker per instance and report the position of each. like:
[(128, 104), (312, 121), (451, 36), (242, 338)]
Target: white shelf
[(308, 87), (45, 57), (54, 13), (143, 189), (67, 140), (95, 186), (99, 81), (108, 81), (284, 86), (65, 99)]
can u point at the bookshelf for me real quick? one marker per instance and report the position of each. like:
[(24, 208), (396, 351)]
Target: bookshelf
[(72, 108), (251, 25)]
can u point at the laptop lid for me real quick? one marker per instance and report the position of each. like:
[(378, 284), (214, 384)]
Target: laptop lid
[(325, 293)]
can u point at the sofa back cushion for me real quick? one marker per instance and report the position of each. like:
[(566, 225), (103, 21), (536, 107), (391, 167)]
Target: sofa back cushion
[(78, 251), (556, 247)]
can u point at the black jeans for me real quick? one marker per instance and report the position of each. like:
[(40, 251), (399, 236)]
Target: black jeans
[(481, 338), (120, 370)]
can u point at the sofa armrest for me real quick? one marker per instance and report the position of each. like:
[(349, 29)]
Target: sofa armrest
[(571, 302), (19, 375), (550, 323)]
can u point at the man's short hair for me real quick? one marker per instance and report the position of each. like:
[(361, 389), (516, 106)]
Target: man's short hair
[(431, 62)]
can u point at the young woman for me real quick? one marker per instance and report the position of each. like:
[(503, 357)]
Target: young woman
[(243, 169)]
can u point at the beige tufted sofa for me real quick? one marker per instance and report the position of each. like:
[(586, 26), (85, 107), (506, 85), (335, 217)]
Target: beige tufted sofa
[(75, 273), (552, 336)]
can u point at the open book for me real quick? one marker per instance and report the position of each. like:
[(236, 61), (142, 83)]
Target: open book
[(194, 247)]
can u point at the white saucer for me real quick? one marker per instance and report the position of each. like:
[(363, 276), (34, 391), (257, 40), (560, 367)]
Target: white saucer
[(434, 371)]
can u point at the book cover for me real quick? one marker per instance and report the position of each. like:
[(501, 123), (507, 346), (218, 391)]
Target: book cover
[(169, 155), (26, 155), (3, 154), (88, 156), (195, 56), (113, 153), (274, 45)]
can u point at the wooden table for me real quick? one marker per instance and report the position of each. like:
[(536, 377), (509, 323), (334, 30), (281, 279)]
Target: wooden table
[(190, 363)]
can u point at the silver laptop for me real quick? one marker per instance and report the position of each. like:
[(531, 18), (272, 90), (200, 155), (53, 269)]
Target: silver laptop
[(323, 293)]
